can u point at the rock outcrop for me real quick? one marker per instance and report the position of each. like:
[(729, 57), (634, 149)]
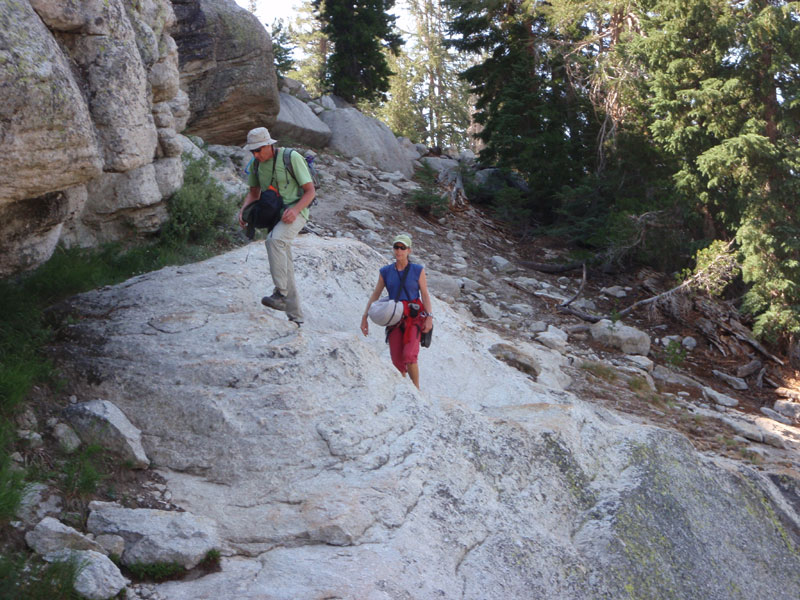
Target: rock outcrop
[(226, 66), (297, 124), (357, 135), (330, 475), (87, 124)]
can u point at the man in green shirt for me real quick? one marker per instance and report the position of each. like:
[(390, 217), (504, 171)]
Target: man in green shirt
[(297, 193)]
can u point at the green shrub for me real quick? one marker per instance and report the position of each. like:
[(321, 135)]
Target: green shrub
[(84, 471), (12, 482), (199, 211), (513, 207), (428, 200), (600, 370), (31, 579), (156, 571), (676, 354)]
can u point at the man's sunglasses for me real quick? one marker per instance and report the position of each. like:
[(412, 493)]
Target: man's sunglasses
[(399, 247)]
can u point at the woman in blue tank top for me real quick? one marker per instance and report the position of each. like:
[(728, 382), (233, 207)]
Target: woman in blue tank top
[(404, 281)]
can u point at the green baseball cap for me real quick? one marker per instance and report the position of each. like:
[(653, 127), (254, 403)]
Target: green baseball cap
[(402, 238)]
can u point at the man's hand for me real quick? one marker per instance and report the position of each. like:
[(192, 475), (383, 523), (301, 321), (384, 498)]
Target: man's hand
[(242, 223), (289, 215)]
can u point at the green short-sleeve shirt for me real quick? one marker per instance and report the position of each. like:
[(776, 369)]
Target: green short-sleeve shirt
[(289, 189)]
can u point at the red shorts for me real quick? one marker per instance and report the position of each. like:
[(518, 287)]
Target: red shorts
[(404, 354)]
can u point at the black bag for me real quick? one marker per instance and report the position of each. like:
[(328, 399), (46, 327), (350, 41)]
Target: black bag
[(264, 213), (426, 338)]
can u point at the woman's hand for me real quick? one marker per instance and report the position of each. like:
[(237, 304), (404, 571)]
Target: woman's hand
[(364, 325), (428, 325)]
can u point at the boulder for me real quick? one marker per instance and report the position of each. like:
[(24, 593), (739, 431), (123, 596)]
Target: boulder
[(719, 398), (357, 135), (365, 219), (155, 536), (446, 168), (48, 140), (36, 503), (298, 125), (89, 81), (51, 535), (120, 103), (100, 421), (490, 181), (622, 337), (295, 88), (98, 579), (226, 68)]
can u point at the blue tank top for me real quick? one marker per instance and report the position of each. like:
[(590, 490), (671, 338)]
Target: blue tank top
[(392, 277)]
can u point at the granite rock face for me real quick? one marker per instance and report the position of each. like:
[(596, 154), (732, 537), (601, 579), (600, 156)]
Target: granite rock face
[(329, 475), (297, 124), (82, 84), (226, 66), (357, 135)]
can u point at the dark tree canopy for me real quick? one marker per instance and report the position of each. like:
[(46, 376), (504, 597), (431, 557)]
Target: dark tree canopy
[(360, 31)]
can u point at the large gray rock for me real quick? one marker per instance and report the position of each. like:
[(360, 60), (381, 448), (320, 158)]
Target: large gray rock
[(622, 337), (330, 475), (357, 135), (100, 421), (98, 578), (48, 140), (51, 535), (227, 70), (155, 536), (81, 82), (298, 125)]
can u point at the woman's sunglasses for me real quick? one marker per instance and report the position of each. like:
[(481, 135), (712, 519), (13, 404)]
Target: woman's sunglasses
[(399, 247)]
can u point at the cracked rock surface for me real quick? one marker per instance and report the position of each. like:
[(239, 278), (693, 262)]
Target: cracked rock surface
[(330, 476)]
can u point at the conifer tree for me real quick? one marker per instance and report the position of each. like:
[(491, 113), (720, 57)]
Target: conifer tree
[(281, 47), (724, 84), (359, 30), (313, 49), (533, 121)]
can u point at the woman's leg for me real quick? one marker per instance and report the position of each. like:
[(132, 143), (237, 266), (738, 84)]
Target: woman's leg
[(413, 372), (396, 349)]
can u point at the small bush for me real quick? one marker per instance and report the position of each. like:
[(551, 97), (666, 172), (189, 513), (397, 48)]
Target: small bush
[(156, 571), (34, 580), (513, 207), (676, 354), (84, 471), (199, 210), (428, 200), (600, 370)]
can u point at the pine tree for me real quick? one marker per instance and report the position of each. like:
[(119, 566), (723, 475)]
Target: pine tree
[(533, 121), (403, 110), (724, 84), (282, 47), (359, 31), (444, 95), (313, 48)]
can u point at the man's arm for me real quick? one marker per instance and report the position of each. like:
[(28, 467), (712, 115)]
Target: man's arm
[(290, 214)]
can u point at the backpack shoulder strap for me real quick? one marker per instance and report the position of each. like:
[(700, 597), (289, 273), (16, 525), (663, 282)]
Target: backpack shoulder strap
[(287, 162)]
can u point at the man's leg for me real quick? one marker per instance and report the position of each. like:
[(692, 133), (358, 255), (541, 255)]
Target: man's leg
[(279, 251)]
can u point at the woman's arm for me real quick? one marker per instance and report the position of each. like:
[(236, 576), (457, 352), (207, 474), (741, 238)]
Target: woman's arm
[(426, 301), (376, 293)]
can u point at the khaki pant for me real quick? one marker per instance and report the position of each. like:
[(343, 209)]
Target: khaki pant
[(279, 252)]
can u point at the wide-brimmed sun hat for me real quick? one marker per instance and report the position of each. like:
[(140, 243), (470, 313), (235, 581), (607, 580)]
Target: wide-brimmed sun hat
[(402, 238), (258, 137)]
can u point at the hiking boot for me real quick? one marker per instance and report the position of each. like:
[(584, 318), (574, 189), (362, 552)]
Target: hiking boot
[(296, 321), (277, 301)]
